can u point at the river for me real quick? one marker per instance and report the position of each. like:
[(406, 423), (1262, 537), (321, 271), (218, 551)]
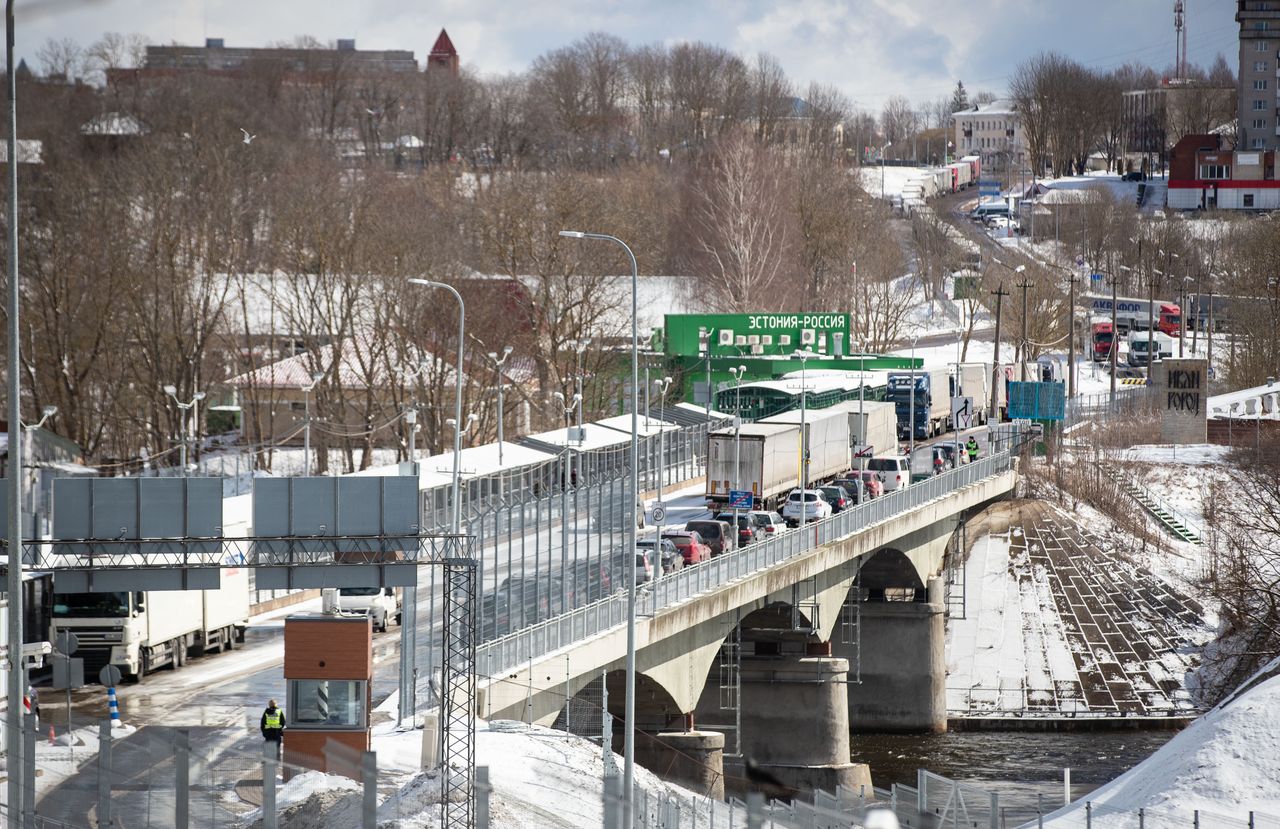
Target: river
[(1017, 765)]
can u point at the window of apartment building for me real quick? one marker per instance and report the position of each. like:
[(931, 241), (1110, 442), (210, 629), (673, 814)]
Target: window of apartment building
[(1260, 105), (1257, 144), (1260, 86), (1259, 66), (1260, 45), (1215, 171), (1248, 200), (1259, 123)]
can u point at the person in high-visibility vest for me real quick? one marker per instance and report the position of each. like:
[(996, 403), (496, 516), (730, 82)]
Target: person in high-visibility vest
[(273, 725)]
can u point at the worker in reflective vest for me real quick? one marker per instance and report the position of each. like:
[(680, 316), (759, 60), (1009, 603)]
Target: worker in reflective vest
[(273, 725)]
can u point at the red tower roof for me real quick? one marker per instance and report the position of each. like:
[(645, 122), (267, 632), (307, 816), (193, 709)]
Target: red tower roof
[(444, 46)]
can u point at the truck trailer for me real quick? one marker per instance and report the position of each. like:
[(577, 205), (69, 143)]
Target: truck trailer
[(874, 424), (828, 441), (931, 401), (1133, 314), (143, 630), (767, 463), (974, 380)]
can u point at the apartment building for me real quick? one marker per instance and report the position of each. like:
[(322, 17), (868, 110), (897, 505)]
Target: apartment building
[(1257, 127)]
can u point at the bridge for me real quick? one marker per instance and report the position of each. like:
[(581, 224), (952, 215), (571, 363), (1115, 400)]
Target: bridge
[(813, 632)]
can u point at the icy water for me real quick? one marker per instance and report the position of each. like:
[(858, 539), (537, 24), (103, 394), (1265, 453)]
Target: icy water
[(1016, 765)]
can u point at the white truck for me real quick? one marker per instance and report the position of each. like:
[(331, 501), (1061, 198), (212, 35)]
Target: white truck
[(828, 441), (381, 604), (974, 380), (1160, 344), (140, 631), (872, 423), (768, 456)]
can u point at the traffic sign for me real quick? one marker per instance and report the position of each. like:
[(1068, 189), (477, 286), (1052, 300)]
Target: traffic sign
[(659, 513), (66, 643), (863, 450), (109, 676), (740, 499), (962, 412)]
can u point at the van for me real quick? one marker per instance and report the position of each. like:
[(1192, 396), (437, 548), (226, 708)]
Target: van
[(894, 471), (989, 209)]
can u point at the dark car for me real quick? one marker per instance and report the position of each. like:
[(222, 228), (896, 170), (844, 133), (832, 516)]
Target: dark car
[(837, 498), (853, 488), (672, 560), (749, 530), (715, 534), (1135, 175)]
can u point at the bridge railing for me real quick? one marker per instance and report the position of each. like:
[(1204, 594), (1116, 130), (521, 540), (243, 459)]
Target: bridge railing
[(519, 647)]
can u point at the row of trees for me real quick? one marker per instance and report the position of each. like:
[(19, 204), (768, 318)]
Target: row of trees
[(186, 256)]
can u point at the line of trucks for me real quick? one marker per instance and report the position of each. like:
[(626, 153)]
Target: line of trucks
[(139, 631), (1133, 317), (841, 437)]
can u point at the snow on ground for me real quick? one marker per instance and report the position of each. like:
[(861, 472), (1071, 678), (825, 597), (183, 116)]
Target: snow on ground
[(1053, 622), (895, 179), (1226, 762), (539, 778)]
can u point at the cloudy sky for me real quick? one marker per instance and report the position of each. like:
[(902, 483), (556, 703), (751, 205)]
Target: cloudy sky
[(871, 49)]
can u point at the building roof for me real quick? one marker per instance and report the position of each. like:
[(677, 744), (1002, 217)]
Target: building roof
[(114, 124), (30, 151), (443, 46), (1001, 106)]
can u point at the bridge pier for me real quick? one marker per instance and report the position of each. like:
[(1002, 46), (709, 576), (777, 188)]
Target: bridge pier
[(693, 759), (904, 667), (795, 724)]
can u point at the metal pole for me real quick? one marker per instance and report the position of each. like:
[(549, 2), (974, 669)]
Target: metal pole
[(182, 778), (104, 776), (1025, 286), (1071, 337), (804, 452), (306, 432), (13, 714), (911, 416), (500, 384), (628, 755), (369, 801), (1115, 341), (270, 820), (999, 294)]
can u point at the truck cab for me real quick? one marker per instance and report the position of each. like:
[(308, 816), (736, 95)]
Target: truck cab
[(381, 604), (1101, 340), (1169, 319)]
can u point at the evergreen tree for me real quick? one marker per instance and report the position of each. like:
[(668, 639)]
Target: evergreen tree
[(959, 98)]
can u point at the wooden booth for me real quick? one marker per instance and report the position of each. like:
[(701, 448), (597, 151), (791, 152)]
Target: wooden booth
[(328, 669)]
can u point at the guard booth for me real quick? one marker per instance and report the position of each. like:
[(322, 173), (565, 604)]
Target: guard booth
[(328, 671)]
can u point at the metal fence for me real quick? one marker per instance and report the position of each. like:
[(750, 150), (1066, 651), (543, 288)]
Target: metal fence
[(537, 640)]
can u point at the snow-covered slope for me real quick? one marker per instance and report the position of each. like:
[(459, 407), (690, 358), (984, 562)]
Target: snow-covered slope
[(1227, 762)]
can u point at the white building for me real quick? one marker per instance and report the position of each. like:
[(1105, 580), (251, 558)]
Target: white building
[(991, 131)]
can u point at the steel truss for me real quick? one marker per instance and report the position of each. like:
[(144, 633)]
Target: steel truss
[(458, 703)]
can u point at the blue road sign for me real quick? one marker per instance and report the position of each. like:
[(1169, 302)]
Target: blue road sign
[(739, 499), (1095, 277)]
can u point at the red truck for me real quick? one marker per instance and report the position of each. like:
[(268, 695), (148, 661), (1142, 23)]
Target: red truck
[(1101, 338)]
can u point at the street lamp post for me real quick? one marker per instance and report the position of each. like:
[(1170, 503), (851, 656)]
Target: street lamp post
[(566, 476), (16, 677), (408, 668), (306, 423), (663, 385), (497, 367), (886, 146), (629, 727), (172, 391), (911, 416), (803, 356), (737, 373)]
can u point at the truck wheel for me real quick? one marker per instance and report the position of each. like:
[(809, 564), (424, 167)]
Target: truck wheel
[(144, 665), (229, 638), (399, 618)]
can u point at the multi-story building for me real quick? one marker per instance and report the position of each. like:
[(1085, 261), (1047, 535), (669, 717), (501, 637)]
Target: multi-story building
[(1257, 126), (1204, 174), (1156, 118), (992, 131)]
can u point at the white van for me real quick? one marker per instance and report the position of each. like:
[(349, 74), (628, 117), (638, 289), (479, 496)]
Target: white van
[(990, 209), (382, 604), (894, 471)]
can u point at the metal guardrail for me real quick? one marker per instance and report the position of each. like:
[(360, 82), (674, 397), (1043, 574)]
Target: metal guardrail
[(521, 646)]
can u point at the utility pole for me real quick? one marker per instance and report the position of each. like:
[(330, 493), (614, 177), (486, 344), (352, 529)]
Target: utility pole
[(1025, 285), (1000, 293), (1115, 341), (1071, 335)]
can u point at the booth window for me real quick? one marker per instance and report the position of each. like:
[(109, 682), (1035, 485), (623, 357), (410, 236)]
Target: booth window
[(326, 704)]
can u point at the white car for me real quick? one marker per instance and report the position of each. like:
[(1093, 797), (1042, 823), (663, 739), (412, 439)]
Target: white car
[(894, 471), (814, 507)]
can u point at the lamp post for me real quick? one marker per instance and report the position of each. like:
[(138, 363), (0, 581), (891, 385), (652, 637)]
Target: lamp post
[(497, 368), (911, 416), (566, 480), (408, 668), (172, 391), (629, 727), (886, 146), (1182, 323), (306, 423), (736, 372), (803, 356), (663, 385)]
